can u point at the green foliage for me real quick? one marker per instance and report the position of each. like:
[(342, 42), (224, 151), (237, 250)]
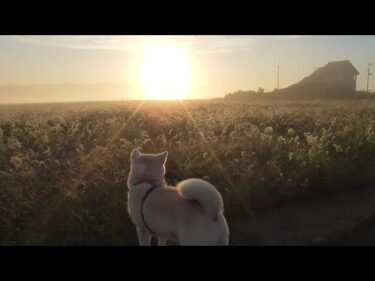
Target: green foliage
[(63, 168)]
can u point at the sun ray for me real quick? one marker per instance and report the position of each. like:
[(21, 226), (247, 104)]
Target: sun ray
[(57, 201), (93, 155), (207, 146)]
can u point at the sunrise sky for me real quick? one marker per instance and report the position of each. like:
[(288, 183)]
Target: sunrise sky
[(201, 66)]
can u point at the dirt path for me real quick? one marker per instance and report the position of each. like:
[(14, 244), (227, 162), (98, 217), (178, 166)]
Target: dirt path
[(339, 218), (363, 235)]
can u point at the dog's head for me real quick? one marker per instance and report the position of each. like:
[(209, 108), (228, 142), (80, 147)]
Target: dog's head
[(147, 167)]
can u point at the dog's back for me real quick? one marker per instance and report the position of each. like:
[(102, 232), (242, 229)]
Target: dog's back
[(192, 213)]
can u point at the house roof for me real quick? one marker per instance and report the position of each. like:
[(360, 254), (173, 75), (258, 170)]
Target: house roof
[(340, 66), (344, 67)]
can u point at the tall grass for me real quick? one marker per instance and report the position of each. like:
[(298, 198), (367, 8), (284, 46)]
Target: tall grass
[(63, 168)]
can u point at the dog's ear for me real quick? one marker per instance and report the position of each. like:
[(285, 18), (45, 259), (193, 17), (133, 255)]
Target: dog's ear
[(135, 154), (163, 157)]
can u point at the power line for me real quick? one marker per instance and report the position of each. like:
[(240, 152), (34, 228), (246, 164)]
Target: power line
[(369, 74), (278, 72)]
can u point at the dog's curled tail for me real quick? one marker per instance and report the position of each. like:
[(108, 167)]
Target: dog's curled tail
[(205, 193)]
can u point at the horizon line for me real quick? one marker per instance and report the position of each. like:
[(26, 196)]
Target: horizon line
[(122, 100)]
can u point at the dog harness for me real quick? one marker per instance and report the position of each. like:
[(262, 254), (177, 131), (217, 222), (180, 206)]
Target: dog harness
[(147, 193)]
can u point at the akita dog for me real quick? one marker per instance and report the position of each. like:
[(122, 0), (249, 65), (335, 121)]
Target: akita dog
[(190, 213)]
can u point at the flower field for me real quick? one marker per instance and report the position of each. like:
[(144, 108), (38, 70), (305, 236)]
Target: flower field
[(63, 167)]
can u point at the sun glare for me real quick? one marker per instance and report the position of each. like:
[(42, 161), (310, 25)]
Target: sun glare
[(165, 73)]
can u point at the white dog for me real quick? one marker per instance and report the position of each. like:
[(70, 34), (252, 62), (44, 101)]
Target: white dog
[(190, 213)]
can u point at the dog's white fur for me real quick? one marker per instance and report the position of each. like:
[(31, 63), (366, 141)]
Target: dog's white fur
[(190, 213)]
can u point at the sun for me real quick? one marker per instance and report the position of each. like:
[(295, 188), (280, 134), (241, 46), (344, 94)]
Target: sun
[(165, 73)]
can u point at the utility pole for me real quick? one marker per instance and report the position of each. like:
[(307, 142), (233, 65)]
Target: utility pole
[(278, 72), (369, 74)]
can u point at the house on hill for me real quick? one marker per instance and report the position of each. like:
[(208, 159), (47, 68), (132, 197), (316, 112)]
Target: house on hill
[(336, 79), (340, 75)]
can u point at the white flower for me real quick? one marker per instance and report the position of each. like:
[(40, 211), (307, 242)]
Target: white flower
[(281, 139), (13, 143), (268, 130), (16, 162)]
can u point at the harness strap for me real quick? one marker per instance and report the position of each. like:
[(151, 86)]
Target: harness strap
[(147, 193)]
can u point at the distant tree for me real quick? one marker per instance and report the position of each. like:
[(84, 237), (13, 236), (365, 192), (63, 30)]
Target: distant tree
[(245, 95)]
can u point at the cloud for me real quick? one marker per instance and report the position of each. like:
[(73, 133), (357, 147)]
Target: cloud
[(223, 44), (288, 37), (201, 44), (84, 42)]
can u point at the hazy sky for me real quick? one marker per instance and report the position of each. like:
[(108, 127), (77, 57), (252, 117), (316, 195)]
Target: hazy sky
[(219, 64)]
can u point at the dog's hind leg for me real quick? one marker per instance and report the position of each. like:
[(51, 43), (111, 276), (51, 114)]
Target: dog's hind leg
[(144, 237), (162, 241)]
